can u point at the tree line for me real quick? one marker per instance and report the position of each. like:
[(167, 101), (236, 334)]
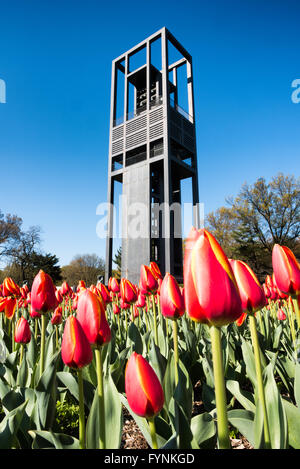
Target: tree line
[(261, 215), (247, 228)]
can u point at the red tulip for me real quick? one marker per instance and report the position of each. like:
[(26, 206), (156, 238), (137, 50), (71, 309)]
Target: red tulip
[(91, 315), (136, 312), (141, 301), (266, 290), (65, 289), (143, 390), (80, 286), (286, 270), (128, 291), (22, 331), (251, 292), (113, 285), (57, 316), (8, 305), (76, 351), (116, 309), (148, 282), (10, 288), (104, 292), (155, 270), (281, 315), (124, 305), (43, 298), (59, 296), (210, 289), (171, 299)]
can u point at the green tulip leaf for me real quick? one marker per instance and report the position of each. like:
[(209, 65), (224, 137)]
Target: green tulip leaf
[(48, 440), (243, 420)]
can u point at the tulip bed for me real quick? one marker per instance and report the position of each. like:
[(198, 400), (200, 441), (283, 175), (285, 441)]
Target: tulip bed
[(71, 362)]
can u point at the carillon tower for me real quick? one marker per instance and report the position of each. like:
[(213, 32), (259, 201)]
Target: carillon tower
[(152, 148)]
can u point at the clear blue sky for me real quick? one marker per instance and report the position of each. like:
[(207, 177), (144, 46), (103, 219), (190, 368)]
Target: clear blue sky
[(55, 57)]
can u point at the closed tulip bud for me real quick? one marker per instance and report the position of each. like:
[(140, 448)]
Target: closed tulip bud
[(269, 281), (43, 298), (148, 282), (141, 301), (116, 309), (274, 293), (155, 270), (128, 291), (266, 290), (104, 292), (91, 315), (56, 318), (210, 290), (281, 315), (251, 292), (159, 282), (22, 331), (80, 286), (113, 285), (65, 289), (10, 288), (143, 389), (286, 270), (59, 296), (124, 305), (76, 351), (171, 299), (23, 293)]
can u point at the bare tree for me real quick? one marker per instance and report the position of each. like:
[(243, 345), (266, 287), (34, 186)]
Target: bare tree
[(85, 267), (10, 229), (261, 215)]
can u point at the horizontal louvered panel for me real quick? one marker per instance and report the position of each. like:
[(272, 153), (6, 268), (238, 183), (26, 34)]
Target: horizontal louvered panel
[(117, 147), (156, 116), (136, 139), (136, 124), (117, 133), (156, 130)]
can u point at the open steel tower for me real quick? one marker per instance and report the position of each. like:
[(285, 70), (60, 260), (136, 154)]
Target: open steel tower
[(152, 148)]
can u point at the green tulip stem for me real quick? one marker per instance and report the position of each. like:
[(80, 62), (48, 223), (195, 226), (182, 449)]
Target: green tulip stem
[(175, 340), (21, 353), (220, 391), (153, 433), (259, 378), (118, 319), (290, 315), (155, 320), (12, 335), (131, 311), (81, 410), (126, 324), (56, 337), (296, 308), (101, 398), (43, 337)]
